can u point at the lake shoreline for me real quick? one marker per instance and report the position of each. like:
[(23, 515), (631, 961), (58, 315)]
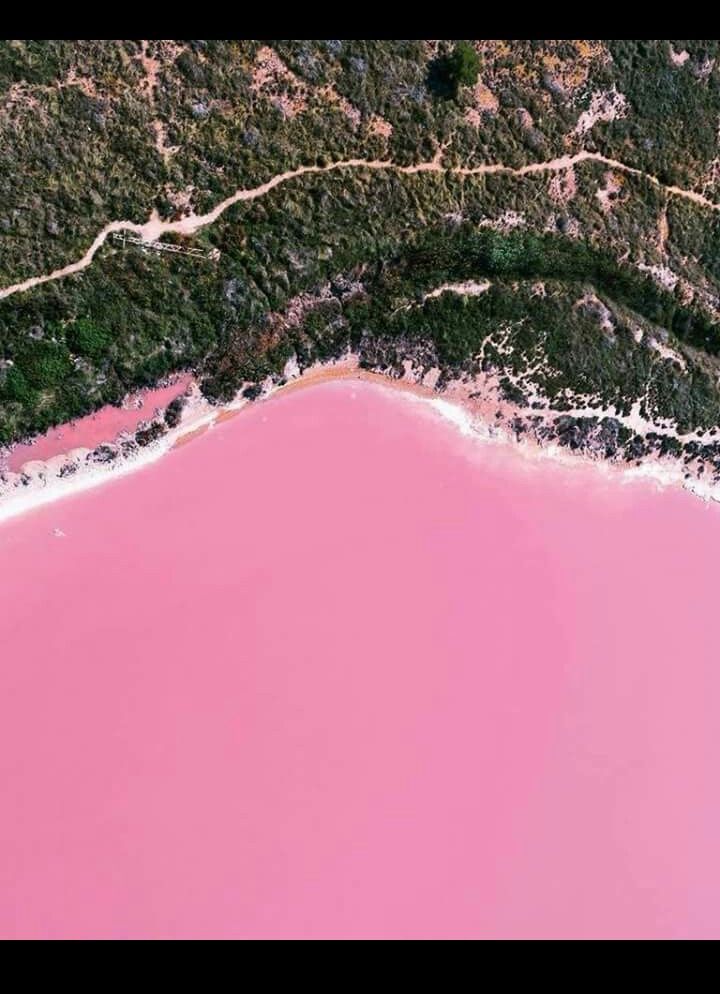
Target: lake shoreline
[(40, 482)]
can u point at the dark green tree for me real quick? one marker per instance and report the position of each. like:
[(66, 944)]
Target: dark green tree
[(454, 69), (88, 339), (464, 64)]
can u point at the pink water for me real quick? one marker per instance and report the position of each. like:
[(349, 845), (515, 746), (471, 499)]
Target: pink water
[(333, 670), (103, 426)]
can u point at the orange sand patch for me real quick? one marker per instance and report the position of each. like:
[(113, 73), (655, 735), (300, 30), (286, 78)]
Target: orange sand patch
[(292, 95), (272, 78), (226, 416), (331, 96), (525, 118), (484, 102), (184, 439), (572, 74), (480, 398), (20, 95), (85, 83), (663, 230), (379, 126), (165, 52), (485, 99), (569, 74)]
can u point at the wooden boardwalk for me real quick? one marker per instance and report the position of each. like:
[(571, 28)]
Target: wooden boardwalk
[(124, 238)]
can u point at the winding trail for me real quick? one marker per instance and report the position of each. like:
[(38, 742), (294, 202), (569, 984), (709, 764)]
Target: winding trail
[(154, 228)]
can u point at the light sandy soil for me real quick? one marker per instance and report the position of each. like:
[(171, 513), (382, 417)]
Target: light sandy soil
[(607, 195), (330, 95), (271, 78), (678, 58), (276, 82), (471, 288), (563, 186), (180, 199), (151, 67), (667, 353), (605, 105), (484, 102), (167, 52), (565, 67), (603, 314), (663, 231), (663, 275), (85, 83), (711, 179), (507, 221), (704, 69), (23, 95), (380, 127)]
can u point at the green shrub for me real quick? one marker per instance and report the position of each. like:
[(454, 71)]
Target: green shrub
[(44, 365), (87, 339)]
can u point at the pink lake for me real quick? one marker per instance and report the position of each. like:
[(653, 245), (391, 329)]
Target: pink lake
[(334, 670), (103, 426)]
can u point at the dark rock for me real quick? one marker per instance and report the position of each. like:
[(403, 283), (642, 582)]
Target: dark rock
[(104, 454), (231, 288), (173, 412), (144, 436), (636, 448), (128, 446)]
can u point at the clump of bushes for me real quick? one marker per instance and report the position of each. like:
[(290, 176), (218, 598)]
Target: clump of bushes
[(151, 433), (173, 412), (448, 72), (86, 338)]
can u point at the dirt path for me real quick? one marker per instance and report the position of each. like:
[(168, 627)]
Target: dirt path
[(155, 227)]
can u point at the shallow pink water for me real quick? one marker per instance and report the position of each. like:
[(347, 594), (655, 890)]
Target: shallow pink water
[(333, 670), (103, 426)]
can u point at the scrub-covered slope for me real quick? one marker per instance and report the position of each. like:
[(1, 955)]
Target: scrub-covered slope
[(535, 219)]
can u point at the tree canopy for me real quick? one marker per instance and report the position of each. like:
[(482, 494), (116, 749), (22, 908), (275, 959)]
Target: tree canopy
[(457, 68)]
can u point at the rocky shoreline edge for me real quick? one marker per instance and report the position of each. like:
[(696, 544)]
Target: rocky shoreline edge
[(41, 482)]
